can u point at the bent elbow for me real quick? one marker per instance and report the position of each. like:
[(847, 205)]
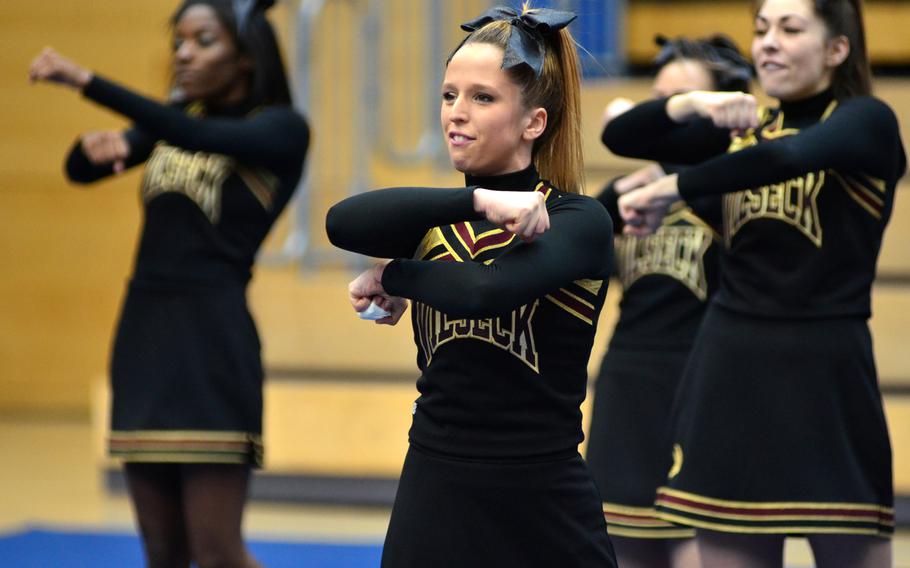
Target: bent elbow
[(619, 143), (76, 175), (610, 139)]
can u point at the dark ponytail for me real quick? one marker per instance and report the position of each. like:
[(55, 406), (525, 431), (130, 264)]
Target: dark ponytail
[(853, 77)]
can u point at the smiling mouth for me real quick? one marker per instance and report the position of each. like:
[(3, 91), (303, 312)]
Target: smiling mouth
[(459, 139), (771, 66)]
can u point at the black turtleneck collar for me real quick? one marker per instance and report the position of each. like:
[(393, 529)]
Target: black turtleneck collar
[(523, 180), (811, 108)]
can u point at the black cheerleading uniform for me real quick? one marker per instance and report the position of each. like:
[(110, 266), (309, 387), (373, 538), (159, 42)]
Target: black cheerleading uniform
[(667, 280), (503, 330), (779, 426), (186, 372)]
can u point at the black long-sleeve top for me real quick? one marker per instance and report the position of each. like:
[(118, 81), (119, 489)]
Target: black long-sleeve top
[(807, 196), (668, 277), (215, 181), (503, 328)]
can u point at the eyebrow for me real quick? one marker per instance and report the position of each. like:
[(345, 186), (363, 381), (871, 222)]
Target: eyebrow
[(474, 87), (204, 27), (783, 19), (207, 28)]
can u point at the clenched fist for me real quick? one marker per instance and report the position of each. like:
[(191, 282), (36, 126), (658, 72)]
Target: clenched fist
[(52, 67)]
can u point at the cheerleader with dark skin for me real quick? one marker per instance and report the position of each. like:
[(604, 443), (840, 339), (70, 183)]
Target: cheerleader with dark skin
[(222, 160), (779, 428), (664, 298)]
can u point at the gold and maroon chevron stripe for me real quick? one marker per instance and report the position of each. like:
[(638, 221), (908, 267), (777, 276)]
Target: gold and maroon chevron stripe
[(544, 188), (589, 288), (773, 517), (574, 304), (641, 522), (874, 183), (867, 191), (434, 246), (459, 241), (186, 446), (475, 244)]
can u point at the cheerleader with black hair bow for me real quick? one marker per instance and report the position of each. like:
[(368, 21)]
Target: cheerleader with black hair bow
[(668, 279), (507, 277)]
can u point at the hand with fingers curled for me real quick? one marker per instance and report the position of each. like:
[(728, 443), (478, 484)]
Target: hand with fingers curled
[(522, 213), (52, 67), (106, 147), (639, 178), (733, 111), (367, 288), (394, 305), (643, 209)]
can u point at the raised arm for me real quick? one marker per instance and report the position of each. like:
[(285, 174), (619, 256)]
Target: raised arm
[(648, 133), (275, 137), (390, 223), (684, 129), (862, 135), (578, 245)]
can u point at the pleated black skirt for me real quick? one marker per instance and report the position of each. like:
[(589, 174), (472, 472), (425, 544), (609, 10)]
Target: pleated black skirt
[(186, 377), (454, 513), (628, 449), (779, 428)]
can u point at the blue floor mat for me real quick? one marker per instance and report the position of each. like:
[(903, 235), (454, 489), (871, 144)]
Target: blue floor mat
[(41, 548)]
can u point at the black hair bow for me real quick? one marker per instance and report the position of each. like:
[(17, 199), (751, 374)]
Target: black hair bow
[(526, 46), (244, 8), (718, 51)]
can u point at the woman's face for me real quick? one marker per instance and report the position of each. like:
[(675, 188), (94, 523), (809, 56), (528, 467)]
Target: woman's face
[(487, 128), (681, 76), (793, 55), (207, 63)]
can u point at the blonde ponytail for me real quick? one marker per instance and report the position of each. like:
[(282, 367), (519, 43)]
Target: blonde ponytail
[(558, 153)]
